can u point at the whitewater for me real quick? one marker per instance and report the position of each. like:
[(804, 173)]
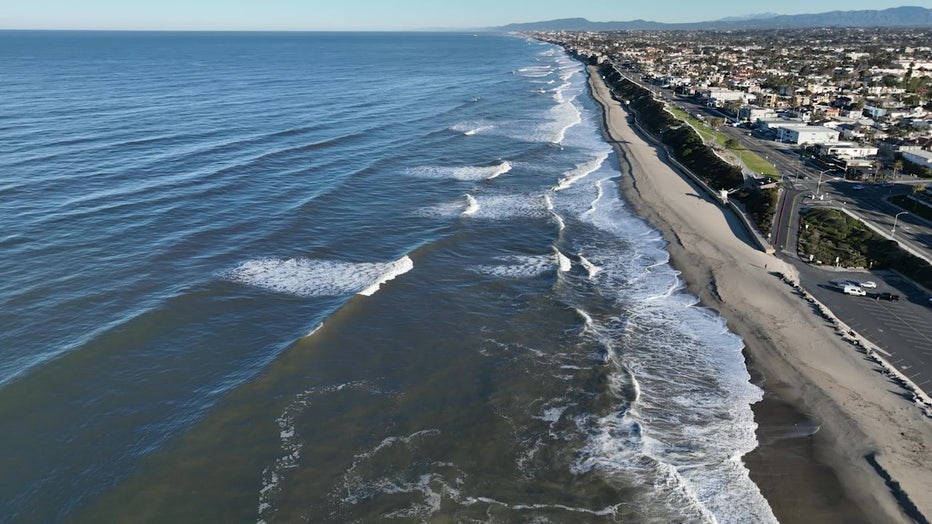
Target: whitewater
[(344, 277)]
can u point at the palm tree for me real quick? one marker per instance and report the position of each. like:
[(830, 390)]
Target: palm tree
[(897, 165)]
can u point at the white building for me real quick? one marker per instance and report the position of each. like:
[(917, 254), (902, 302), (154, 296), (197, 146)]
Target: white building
[(768, 124), (920, 158), (717, 96), (848, 150), (753, 113), (807, 135)]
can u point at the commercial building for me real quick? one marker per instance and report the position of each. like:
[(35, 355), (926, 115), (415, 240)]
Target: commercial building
[(807, 135)]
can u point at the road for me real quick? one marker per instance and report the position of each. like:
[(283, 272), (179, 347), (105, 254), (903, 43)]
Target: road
[(869, 203), (901, 329)]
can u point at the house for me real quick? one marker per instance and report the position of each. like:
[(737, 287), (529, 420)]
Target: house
[(765, 99), (874, 112), (754, 113), (848, 150)]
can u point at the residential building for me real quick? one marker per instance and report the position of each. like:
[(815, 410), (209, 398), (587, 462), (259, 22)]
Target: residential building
[(920, 158)]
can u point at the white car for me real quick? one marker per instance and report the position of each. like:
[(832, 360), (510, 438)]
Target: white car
[(868, 284), (849, 289)]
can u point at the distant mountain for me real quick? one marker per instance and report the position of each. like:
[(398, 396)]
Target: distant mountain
[(907, 16), (747, 17)]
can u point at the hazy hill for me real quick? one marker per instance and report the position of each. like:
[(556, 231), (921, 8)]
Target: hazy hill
[(907, 16)]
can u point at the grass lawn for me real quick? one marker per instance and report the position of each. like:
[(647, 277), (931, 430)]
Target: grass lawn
[(708, 134)]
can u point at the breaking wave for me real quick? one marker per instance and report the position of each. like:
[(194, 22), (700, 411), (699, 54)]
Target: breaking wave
[(307, 277)]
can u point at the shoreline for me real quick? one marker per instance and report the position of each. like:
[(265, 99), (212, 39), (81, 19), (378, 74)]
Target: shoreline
[(863, 433)]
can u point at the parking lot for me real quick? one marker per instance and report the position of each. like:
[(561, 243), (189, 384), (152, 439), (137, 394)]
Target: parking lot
[(902, 329)]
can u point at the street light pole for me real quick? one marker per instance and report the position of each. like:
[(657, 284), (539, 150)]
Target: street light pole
[(893, 231), (819, 186)]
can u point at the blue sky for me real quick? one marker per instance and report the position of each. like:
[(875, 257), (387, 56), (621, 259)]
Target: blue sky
[(337, 15)]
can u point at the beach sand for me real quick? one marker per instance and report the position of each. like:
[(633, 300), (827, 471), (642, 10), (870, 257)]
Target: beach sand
[(813, 378)]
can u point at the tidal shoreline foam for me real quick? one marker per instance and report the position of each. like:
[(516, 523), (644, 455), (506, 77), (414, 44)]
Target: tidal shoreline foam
[(802, 359)]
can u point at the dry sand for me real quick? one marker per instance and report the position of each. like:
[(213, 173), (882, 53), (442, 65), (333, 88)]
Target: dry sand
[(803, 359)]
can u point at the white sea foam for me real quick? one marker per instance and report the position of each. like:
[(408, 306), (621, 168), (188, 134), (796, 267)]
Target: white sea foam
[(683, 437), (604, 512), (581, 171), (552, 414), (518, 266), (315, 330), (396, 268), (548, 204), (391, 441), (591, 268), (430, 481), (291, 444), (563, 116), (306, 277), (471, 205), (563, 262), (502, 168), (535, 71), (472, 128), (587, 319), (502, 206), (444, 209), (558, 93), (431, 488), (465, 173)]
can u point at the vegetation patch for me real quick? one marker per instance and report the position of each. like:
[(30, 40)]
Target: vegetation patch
[(913, 206), (827, 235), (912, 169), (689, 148)]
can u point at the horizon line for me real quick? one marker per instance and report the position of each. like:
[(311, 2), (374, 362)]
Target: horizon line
[(111, 30)]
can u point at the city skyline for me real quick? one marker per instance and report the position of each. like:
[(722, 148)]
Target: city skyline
[(370, 15)]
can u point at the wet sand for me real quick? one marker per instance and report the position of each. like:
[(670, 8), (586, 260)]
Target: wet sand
[(811, 375)]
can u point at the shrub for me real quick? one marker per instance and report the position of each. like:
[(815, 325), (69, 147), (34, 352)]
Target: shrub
[(831, 233)]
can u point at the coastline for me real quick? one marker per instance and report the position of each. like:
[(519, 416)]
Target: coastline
[(864, 457)]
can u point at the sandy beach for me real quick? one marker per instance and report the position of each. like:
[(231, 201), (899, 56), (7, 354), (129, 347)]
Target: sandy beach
[(839, 440)]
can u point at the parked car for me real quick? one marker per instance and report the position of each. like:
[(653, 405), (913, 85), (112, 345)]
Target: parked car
[(887, 296), (868, 284), (848, 289)]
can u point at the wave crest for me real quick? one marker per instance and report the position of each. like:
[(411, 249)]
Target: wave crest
[(306, 277)]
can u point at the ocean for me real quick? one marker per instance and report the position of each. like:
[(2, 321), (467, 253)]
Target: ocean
[(342, 277)]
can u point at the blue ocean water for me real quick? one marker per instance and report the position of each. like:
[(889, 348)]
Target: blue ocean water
[(342, 277)]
